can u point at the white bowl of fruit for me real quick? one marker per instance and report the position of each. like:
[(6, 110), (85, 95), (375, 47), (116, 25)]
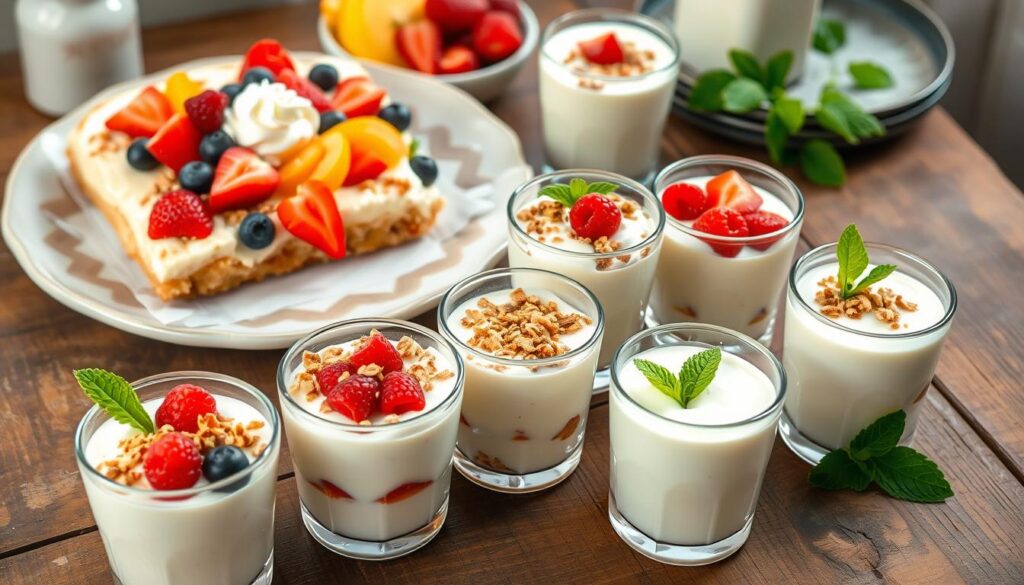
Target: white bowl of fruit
[(475, 45)]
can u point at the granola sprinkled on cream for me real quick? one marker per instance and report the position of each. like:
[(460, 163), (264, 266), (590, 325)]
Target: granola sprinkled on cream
[(883, 302)]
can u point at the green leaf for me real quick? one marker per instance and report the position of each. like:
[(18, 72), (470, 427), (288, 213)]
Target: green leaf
[(746, 65), (559, 193), (831, 118), (843, 116), (697, 373), (852, 257), (908, 475), (661, 378), (602, 188), (577, 188), (829, 35), (878, 273), (116, 396), (743, 95), (791, 112), (707, 92), (868, 75), (879, 437), (776, 69), (837, 471), (414, 147), (820, 163), (776, 135)]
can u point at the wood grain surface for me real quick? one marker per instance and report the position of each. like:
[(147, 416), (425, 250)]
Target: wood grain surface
[(934, 192)]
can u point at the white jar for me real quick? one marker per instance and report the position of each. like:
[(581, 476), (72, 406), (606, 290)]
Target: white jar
[(71, 49)]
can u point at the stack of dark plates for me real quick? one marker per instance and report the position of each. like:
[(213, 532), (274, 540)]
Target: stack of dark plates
[(903, 35)]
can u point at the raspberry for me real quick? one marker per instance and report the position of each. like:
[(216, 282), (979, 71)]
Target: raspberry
[(354, 397), (684, 201), (327, 377), (180, 214), (401, 392), (722, 221), (378, 350), (172, 462), (594, 216), (206, 110), (760, 223), (183, 406)]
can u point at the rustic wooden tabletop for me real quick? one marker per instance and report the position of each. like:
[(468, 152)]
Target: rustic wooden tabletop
[(934, 192)]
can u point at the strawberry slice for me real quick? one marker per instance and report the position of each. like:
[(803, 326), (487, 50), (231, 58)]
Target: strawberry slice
[(144, 115), (305, 88), (267, 53), (419, 44), (731, 190), (365, 166), (242, 179), (176, 143), (358, 96), (404, 492), (330, 490), (725, 222), (458, 59), (180, 214), (603, 50), (761, 223), (312, 216)]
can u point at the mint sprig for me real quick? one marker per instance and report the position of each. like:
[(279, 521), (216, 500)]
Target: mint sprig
[(853, 259), (829, 35), (869, 75), (693, 379), (569, 194), (874, 456), (116, 396)]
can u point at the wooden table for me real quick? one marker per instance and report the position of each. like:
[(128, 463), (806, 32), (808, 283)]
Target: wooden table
[(934, 192)]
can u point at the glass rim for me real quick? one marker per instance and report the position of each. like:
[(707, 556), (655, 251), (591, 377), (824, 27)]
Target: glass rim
[(618, 15), (174, 496), (775, 406), (300, 346), (928, 266), (475, 279), (644, 192), (746, 164)]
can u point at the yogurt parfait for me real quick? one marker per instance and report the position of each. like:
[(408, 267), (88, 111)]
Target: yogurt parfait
[(173, 463), (853, 357), (371, 410), (733, 226), (599, 229), (692, 416), (530, 341)]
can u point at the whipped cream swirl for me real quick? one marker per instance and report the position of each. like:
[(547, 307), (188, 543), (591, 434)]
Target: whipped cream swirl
[(271, 119)]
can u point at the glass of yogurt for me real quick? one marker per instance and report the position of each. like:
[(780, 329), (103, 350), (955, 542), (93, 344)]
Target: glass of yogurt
[(733, 282), (607, 78), (685, 481), (618, 269), (847, 371), (165, 537), (376, 488), (530, 341)]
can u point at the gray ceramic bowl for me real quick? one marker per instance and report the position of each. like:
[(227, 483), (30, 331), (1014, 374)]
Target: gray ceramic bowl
[(486, 83)]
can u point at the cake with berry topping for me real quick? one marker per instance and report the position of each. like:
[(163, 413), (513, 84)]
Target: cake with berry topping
[(229, 173)]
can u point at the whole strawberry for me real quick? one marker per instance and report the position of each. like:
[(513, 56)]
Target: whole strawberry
[(180, 214), (172, 462), (401, 392), (183, 406), (354, 397)]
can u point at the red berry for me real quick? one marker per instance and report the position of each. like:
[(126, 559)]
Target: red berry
[(183, 406), (354, 397), (510, 6), (378, 350), (684, 201), (760, 223), (176, 143), (496, 36), (594, 216), (305, 88), (266, 53), (206, 110), (722, 221), (144, 115), (242, 179), (419, 43), (180, 214), (458, 59), (172, 462), (401, 392), (733, 191), (455, 15), (327, 377), (404, 492), (603, 50)]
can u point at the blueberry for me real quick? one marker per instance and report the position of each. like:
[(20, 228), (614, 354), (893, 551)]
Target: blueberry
[(232, 90), (196, 176), (425, 168), (139, 156), (330, 119), (257, 75), (224, 461), (324, 76), (398, 115), (256, 231), (213, 145)]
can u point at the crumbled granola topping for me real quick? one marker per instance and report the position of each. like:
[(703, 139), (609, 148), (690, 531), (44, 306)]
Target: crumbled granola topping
[(106, 142), (883, 302), (635, 61), (526, 328)]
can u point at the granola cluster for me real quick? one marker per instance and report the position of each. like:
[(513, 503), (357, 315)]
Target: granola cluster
[(635, 61), (525, 328), (104, 142), (883, 302)]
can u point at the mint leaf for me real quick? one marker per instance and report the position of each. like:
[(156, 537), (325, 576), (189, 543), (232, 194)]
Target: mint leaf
[(829, 35), (414, 147), (878, 273), (868, 75), (820, 163), (852, 258), (743, 95), (791, 112), (116, 396), (706, 94), (843, 116), (745, 63), (569, 194), (837, 471), (777, 68), (602, 188), (577, 188), (908, 475), (879, 437), (697, 373), (560, 193), (776, 135), (660, 377)]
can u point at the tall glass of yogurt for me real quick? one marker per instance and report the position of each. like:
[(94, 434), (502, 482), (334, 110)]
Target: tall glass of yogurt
[(847, 372), (530, 341), (620, 277), (165, 537), (741, 289), (606, 115), (685, 481)]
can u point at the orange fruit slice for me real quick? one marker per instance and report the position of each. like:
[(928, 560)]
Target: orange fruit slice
[(180, 87), (373, 136), (367, 28), (333, 167), (299, 168)]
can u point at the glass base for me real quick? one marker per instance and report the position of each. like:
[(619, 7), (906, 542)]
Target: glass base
[(518, 484), (676, 554), (265, 577), (646, 180), (367, 550), (602, 378), (798, 443), (764, 339)]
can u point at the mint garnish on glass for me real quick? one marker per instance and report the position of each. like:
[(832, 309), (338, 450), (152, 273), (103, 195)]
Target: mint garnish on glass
[(116, 396), (873, 455), (577, 188), (693, 378), (853, 260)]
